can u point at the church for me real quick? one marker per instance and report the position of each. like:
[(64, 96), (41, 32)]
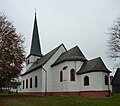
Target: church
[(63, 72)]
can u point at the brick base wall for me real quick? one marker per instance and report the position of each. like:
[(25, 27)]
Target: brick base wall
[(97, 94)]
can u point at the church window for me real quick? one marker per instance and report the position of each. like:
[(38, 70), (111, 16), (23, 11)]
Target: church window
[(72, 75), (86, 81), (36, 81), (23, 84), (28, 61), (26, 83), (30, 82), (61, 76), (106, 80)]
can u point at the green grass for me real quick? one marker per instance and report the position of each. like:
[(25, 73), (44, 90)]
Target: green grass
[(29, 100)]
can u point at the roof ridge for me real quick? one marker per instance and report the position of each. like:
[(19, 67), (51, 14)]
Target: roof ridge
[(97, 61), (73, 54), (56, 48), (42, 60)]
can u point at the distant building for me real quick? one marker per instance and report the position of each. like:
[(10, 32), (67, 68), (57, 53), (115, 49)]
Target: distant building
[(116, 82), (63, 72), (11, 87)]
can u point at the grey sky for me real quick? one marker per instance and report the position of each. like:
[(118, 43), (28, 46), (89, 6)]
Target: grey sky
[(72, 22)]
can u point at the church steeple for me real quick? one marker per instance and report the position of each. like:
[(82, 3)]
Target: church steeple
[(35, 45)]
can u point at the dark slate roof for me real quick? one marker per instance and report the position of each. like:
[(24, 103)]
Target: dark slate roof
[(41, 61), (94, 65), (116, 78), (73, 54), (35, 45)]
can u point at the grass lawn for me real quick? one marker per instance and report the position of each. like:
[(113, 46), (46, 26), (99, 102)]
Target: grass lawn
[(29, 100)]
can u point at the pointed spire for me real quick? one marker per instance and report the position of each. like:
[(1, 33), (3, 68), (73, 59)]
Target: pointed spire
[(35, 45)]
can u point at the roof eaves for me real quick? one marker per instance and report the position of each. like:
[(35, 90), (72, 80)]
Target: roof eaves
[(68, 60), (44, 63), (34, 55), (31, 70), (79, 73)]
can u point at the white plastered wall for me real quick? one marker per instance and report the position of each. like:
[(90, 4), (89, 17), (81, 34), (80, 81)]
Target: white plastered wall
[(66, 85), (48, 68), (96, 81), (32, 75)]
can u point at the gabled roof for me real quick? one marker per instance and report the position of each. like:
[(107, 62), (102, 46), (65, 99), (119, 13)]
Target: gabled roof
[(73, 54), (35, 45), (94, 65), (42, 60), (116, 78)]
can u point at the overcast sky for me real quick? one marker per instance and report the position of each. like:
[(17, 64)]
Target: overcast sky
[(72, 22)]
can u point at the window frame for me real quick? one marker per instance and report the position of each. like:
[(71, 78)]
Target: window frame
[(36, 81), (86, 81), (31, 82), (106, 80), (26, 83), (61, 76), (72, 74), (23, 84)]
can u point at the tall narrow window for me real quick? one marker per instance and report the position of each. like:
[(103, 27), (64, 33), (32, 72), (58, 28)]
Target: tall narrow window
[(72, 75), (26, 83), (86, 81), (27, 61), (30, 82), (106, 80), (61, 76), (23, 84), (36, 81)]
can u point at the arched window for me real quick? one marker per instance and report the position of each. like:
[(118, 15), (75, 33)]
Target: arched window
[(30, 82), (26, 83), (86, 81), (106, 80), (72, 75), (28, 61), (23, 84), (61, 76), (36, 81)]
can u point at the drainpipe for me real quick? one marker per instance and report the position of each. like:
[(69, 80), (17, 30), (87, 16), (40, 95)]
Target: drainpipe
[(108, 86), (45, 80)]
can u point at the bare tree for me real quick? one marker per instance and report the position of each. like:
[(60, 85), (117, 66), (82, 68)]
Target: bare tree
[(114, 40), (12, 53)]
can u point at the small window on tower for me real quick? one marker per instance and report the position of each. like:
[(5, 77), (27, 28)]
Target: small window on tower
[(28, 61)]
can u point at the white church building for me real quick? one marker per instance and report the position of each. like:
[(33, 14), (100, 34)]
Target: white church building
[(63, 72)]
